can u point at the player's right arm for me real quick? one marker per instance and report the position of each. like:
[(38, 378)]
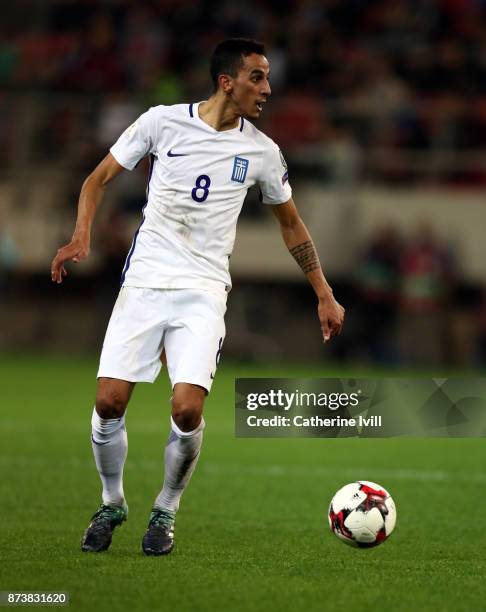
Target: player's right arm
[(90, 198)]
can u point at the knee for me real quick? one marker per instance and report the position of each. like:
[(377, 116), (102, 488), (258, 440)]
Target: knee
[(187, 413), (110, 404)]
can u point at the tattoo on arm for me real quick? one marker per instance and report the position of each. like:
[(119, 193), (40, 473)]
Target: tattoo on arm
[(305, 255)]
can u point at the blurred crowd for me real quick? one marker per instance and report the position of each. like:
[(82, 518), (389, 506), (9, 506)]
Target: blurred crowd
[(407, 75), (412, 306)]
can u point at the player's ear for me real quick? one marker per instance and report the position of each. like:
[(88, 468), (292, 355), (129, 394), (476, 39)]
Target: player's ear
[(226, 83)]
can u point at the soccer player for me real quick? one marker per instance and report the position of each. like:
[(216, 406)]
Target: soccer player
[(203, 158)]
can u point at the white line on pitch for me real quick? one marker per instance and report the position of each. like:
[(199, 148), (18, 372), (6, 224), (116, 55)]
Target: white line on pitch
[(270, 470), (351, 472)]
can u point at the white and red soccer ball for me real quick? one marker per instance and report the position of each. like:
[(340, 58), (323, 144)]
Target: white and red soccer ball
[(362, 514)]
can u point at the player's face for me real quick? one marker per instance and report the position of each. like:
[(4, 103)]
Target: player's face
[(251, 87)]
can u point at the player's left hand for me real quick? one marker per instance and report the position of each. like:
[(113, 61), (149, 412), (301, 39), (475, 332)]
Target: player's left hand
[(331, 317)]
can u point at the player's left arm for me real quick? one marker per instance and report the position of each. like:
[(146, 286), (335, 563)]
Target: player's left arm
[(299, 242)]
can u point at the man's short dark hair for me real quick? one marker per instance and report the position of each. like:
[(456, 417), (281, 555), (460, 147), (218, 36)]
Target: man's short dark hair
[(228, 57)]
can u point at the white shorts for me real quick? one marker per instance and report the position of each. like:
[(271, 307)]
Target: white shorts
[(187, 323)]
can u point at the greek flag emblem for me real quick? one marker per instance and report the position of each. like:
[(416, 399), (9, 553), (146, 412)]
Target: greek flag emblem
[(240, 168)]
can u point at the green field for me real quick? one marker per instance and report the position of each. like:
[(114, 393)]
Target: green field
[(252, 531)]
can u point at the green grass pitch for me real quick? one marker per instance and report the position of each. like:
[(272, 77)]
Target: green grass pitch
[(252, 530)]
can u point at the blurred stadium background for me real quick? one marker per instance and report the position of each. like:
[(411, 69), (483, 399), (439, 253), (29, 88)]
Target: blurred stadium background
[(380, 110)]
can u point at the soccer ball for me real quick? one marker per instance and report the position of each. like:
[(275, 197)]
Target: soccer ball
[(362, 514)]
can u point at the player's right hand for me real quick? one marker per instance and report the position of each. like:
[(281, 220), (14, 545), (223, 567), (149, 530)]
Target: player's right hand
[(76, 250)]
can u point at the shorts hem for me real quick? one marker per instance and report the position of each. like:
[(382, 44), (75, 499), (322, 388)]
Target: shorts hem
[(124, 376), (193, 381)]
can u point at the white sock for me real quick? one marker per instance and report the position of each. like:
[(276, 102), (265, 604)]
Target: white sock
[(181, 455), (110, 446)]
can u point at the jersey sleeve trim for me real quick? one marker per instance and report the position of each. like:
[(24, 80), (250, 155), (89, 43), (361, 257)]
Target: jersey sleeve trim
[(242, 124), (191, 112), (268, 203), (117, 155)]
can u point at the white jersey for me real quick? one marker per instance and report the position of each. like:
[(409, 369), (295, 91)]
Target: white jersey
[(198, 181)]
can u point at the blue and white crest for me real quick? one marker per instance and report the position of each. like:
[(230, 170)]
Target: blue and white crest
[(240, 168)]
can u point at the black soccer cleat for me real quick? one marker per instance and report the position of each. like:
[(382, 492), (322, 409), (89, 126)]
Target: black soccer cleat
[(159, 537), (103, 522)]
